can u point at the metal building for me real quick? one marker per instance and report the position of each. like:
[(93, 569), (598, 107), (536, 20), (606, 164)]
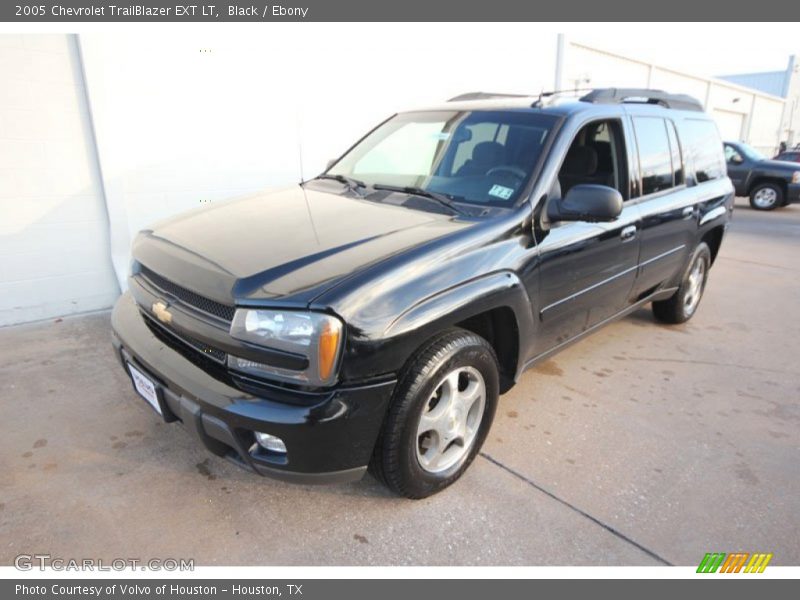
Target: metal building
[(786, 84), (742, 113)]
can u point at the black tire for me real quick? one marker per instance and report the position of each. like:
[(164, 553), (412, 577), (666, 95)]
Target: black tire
[(766, 196), (395, 459), (682, 305)]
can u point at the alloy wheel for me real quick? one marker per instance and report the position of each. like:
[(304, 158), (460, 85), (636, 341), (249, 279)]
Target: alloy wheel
[(450, 419), (696, 282), (765, 197)]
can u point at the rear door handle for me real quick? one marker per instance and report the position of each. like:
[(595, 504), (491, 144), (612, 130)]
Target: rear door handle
[(628, 233), (688, 211)]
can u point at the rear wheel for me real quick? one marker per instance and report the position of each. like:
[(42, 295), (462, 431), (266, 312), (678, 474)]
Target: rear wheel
[(441, 412), (766, 196), (683, 303)]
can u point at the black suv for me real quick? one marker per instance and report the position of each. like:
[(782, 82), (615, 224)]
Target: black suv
[(769, 183), (371, 317)]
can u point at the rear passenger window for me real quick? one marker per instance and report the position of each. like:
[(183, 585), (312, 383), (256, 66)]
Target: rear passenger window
[(655, 156), (702, 143)]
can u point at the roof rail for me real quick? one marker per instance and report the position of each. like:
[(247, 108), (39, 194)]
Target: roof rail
[(546, 98), (484, 96), (642, 96)]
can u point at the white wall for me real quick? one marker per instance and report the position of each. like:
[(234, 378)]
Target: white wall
[(54, 252), (185, 119)]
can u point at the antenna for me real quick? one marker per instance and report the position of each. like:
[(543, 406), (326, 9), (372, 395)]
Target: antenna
[(300, 145), (302, 178)]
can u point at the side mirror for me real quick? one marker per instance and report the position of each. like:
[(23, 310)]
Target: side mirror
[(587, 202), (330, 163), (736, 159)]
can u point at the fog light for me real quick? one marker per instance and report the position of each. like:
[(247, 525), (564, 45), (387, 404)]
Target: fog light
[(270, 442)]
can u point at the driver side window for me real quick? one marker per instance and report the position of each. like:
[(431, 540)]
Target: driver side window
[(732, 156), (596, 156)]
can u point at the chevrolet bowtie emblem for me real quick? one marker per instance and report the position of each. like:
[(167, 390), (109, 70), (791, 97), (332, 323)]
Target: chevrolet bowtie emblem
[(160, 311)]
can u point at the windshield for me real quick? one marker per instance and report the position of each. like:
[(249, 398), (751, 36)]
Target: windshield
[(751, 152), (477, 157)]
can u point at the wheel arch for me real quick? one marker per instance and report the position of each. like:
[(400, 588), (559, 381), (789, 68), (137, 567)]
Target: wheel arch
[(761, 179), (713, 238), (494, 306), (500, 328)]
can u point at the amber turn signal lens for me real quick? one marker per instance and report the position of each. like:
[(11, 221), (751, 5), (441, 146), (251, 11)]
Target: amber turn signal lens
[(328, 348)]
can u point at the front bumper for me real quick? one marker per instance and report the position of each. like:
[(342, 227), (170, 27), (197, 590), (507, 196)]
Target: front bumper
[(793, 193), (329, 435)]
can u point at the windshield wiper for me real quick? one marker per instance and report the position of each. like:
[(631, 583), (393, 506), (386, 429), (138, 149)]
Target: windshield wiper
[(418, 191), (353, 184)]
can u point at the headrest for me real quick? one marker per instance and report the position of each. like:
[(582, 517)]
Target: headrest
[(580, 161), (488, 153)]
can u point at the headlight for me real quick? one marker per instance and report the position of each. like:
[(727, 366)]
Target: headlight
[(315, 336), (796, 177)]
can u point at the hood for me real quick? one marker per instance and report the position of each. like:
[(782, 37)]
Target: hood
[(779, 165), (291, 245)]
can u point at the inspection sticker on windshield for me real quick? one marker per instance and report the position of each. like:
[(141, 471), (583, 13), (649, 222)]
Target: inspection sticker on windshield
[(501, 191)]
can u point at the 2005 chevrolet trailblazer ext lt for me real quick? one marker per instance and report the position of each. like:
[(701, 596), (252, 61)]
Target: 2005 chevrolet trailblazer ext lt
[(371, 317)]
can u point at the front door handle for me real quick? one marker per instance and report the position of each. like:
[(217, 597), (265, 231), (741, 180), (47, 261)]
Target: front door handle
[(688, 211), (628, 233)]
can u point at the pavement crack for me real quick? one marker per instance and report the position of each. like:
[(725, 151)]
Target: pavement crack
[(581, 512)]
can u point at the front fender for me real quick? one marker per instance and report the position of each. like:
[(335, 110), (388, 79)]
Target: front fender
[(459, 303), (389, 351)]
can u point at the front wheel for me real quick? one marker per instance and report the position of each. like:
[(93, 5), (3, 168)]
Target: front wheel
[(441, 411), (766, 196), (682, 305)]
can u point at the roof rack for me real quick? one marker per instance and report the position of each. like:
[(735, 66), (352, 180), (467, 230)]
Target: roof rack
[(642, 96), (484, 96), (599, 96), (546, 98)]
